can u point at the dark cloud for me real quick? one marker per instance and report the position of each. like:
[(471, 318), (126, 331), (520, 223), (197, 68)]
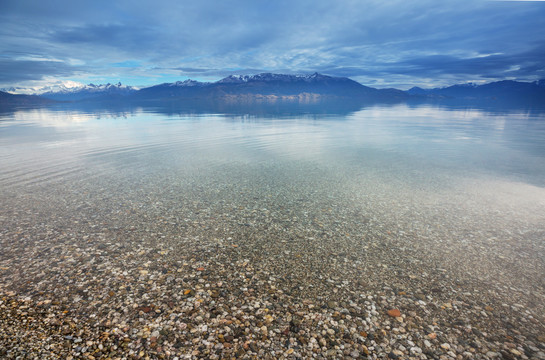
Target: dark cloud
[(489, 66), (12, 71), (110, 35), (373, 40)]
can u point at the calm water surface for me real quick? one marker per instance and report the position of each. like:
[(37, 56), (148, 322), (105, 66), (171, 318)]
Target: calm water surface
[(401, 143), (464, 187)]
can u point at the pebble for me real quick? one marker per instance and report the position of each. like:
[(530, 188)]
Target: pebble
[(427, 343), (152, 271), (331, 353), (394, 313)]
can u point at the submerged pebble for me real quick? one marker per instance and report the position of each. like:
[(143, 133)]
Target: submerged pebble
[(259, 261)]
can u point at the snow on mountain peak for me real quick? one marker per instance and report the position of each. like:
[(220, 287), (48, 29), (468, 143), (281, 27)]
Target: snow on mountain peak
[(59, 86), (68, 87), (71, 84), (187, 82), (234, 79)]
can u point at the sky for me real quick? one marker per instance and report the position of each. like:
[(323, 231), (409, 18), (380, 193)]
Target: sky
[(382, 43)]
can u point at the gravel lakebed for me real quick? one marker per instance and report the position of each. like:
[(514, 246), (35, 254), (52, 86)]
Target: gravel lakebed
[(271, 261)]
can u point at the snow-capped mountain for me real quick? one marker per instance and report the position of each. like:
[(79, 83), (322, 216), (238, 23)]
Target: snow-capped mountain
[(187, 82), (57, 87), (80, 92), (61, 87), (14, 90), (268, 85), (268, 77), (72, 90), (234, 79)]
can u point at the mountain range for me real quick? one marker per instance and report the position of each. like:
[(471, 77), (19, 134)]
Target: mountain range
[(506, 90), (269, 86), (88, 91), (274, 87)]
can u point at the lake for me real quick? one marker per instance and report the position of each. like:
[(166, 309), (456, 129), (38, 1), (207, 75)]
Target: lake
[(388, 230)]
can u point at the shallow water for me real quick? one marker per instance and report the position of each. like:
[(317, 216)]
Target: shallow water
[(401, 196), (472, 170)]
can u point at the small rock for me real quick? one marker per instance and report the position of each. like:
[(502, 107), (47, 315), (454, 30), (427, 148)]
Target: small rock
[(394, 313)]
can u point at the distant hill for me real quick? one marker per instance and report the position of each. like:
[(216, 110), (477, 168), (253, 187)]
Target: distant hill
[(7, 99), (505, 91), (272, 87)]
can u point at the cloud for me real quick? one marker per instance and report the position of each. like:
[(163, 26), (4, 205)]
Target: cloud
[(489, 66), (14, 71), (89, 34), (372, 40)]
